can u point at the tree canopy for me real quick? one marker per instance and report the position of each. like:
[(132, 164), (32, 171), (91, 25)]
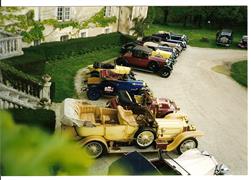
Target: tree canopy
[(201, 16)]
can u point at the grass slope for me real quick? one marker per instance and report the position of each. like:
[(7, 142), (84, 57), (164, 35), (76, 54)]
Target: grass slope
[(239, 72)]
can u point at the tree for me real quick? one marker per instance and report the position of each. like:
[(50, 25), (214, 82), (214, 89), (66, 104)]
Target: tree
[(140, 25)]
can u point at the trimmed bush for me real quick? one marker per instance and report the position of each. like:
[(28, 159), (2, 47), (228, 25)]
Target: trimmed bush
[(42, 118)]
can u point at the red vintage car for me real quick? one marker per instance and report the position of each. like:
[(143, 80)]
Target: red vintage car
[(140, 57), (160, 107)]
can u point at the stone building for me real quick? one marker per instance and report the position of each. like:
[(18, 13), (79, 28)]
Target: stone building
[(124, 16)]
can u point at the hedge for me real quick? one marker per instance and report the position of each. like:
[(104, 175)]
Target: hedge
[(42, 118), (12, 70), (52, 50)]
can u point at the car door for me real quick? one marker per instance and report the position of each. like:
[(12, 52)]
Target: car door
[(139, 59)]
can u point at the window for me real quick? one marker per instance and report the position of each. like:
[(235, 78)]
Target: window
[(108, 10), (107, 30), (64, 38), (36, 42), (63, 13), (83, 34)]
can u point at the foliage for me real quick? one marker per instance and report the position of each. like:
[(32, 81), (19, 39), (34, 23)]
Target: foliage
[(239, 72), (203, 16), (140, 25), (196, 34), (28, 151), (61, 25), (100, 20), (42, 118), (10, 69), (35, 33)]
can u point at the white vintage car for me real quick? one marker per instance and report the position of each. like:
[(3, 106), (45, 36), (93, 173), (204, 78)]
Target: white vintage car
[(191, 162)]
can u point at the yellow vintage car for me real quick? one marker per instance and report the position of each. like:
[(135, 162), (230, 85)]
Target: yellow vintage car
[(95, 68), (102, 130), (162, 54)]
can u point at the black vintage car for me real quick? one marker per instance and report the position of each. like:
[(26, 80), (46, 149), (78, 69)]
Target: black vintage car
[(224, 37), (244, 42), (170, 37)]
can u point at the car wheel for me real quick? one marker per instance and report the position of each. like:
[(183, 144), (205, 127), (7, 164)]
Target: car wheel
[(94, 74), (145, 137), (165, 73), (93, 93), (187, 144), (153, 66), (95, 149)]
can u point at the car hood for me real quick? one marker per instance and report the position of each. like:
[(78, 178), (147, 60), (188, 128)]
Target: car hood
[(194, 162)]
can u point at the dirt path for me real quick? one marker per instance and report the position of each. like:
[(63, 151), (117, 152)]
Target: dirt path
[(213, 101)]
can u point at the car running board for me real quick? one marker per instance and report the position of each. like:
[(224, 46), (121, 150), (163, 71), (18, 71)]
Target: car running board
[(141, 69), (126, 149)]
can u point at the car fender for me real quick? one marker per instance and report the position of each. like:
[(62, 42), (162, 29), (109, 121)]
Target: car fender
[(84, 141), (181, 137)]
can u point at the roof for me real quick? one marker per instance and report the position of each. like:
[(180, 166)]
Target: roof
[(226, 32), (133, 163), (143, 48)]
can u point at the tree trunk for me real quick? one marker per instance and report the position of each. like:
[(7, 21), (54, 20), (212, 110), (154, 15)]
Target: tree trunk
[(185, 21), (165, 16)]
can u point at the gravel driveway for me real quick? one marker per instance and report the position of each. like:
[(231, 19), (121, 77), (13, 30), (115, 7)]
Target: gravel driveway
[(214, 102)]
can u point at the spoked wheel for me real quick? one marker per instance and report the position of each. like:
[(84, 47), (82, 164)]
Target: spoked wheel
[(187, 144), (153, 66), (165, 73), (145, 138), (94, 149)]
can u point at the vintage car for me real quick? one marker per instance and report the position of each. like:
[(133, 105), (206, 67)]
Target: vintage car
[(102, 130), (224, 37), (141, 58), (167, 37), (160, 107), (154, 52), (173, 36), (155, 46), (109, 83), (158, 40), (244, 42), (95, 68), (191, 162)]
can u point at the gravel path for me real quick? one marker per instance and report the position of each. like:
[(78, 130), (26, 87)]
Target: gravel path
[(214, 102)]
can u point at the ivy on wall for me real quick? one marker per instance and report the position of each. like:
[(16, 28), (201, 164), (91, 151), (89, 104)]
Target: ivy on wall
[(31, 30)]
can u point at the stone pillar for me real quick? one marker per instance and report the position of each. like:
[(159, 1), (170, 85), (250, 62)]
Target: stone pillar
[(45, 91), (1, 76)]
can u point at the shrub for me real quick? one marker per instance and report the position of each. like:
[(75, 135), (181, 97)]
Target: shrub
[(42, 118)]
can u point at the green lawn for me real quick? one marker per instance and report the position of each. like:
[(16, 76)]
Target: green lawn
[(195, 35), (63, 71), (239, 72)]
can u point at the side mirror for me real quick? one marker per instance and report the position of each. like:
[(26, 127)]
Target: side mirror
[(221, 169)]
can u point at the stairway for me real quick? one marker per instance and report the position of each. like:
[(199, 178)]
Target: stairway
[(12, 98)]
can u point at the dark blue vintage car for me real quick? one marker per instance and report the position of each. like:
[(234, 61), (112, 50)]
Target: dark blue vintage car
[(110, 84)]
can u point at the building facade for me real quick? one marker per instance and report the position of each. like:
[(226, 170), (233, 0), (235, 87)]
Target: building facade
[(124, 16)]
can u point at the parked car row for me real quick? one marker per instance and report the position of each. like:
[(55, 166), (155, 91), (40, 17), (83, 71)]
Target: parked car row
[(157, 53)]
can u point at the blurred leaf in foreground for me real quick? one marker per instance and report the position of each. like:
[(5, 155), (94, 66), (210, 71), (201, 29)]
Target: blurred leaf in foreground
[(28, 151)]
